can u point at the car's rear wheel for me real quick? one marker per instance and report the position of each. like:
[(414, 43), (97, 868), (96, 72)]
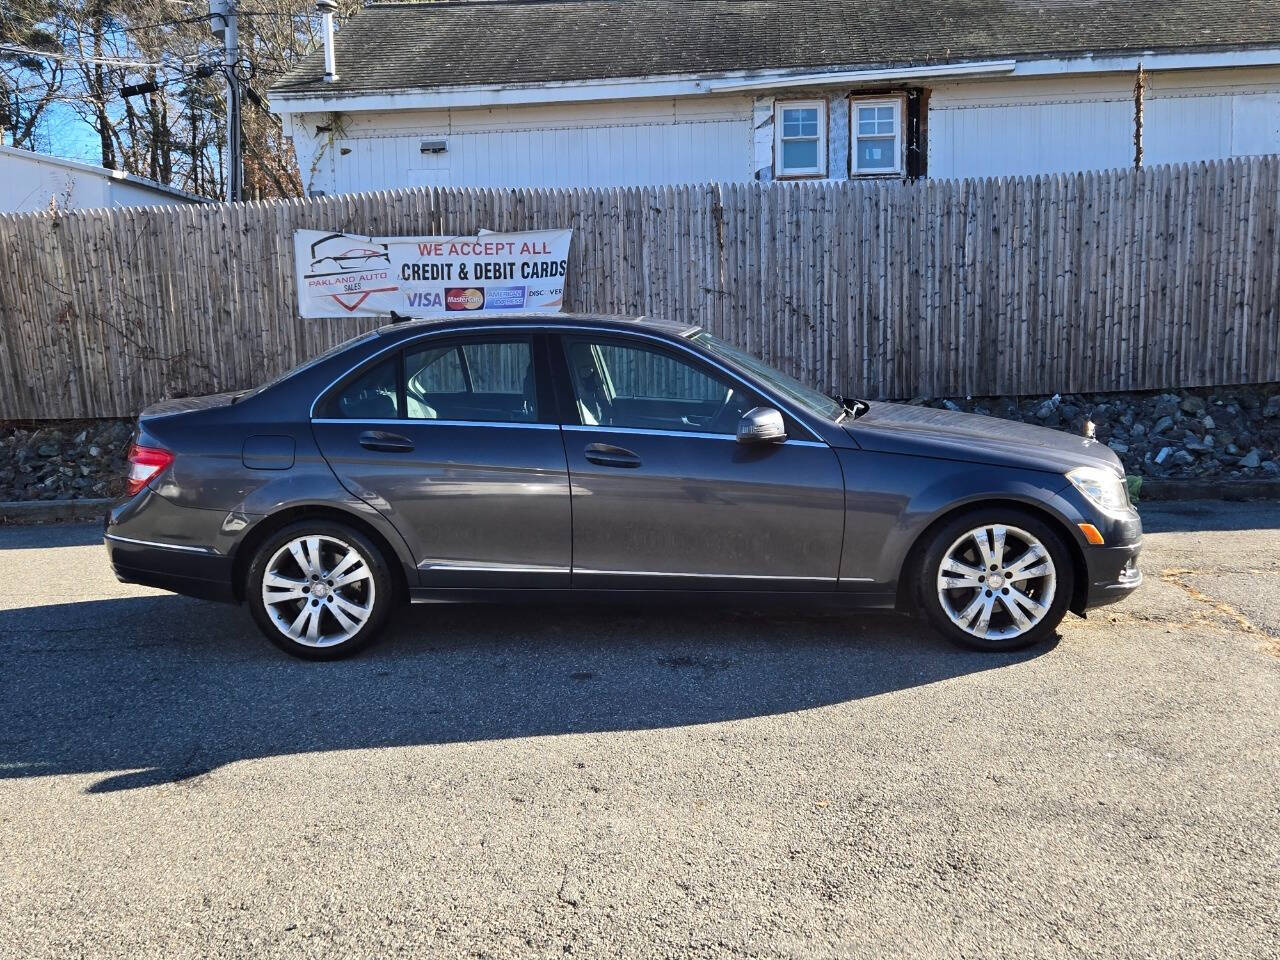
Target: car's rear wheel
[(320, 590), (996, 579)]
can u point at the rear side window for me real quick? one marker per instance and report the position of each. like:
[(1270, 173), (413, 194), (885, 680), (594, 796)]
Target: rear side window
[(374, 395), (435, 370), (488, 381), (472, 381)]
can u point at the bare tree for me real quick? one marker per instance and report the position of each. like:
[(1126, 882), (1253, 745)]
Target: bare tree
[(173, 130), (29, 84)]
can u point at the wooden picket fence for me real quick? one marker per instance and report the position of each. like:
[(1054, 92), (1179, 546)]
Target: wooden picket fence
[(1123, 280)]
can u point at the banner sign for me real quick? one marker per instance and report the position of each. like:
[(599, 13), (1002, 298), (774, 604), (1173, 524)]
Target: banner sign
[(342, 275)]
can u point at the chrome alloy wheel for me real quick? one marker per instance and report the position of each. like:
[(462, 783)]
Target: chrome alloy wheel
[(997, 582), (318, 590)]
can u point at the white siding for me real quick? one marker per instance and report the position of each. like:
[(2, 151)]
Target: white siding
[(996, 141), (33, 182), (1255, 124), (603, 157), (1020, 127), (642, 143), (976, 128)]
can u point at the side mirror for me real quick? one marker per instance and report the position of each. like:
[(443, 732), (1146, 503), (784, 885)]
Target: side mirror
[(761, 425)]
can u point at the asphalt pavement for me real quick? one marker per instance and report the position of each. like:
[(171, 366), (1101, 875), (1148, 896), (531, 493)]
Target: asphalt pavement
[(545, 783)]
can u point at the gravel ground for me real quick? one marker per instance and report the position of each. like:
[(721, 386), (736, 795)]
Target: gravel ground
[(495, 783)]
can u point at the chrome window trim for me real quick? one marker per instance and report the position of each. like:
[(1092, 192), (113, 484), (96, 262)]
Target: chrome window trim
[(514, 424), (701, 576), (452, 566), (449, 566), (675, 343), (161, 546), (642, 432)]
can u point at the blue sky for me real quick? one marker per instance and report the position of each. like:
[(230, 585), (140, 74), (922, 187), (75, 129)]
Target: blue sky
[(70, 137)]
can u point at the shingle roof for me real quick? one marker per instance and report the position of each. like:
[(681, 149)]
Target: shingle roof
[(425, 45)]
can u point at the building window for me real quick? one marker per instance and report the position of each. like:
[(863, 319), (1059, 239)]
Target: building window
[(877, 137), (801, 145)]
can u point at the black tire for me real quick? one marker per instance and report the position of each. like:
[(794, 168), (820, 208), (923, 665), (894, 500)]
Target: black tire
[(379, 601), (941, 542)]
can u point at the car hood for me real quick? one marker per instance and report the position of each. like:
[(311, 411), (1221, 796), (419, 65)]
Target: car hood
[(951, 435)]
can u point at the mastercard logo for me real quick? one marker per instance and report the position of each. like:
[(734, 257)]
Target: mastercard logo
[(460, 299)]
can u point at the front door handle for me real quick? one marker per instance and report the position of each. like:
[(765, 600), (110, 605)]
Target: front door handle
[(607, 455), (385, 442)]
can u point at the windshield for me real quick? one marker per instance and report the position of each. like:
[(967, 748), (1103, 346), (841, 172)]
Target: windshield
[(791, 388)]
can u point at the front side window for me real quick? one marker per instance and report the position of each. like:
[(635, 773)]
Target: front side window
[(479, 381), (877, 137), (791, 388), (801, 146), (629, 386)]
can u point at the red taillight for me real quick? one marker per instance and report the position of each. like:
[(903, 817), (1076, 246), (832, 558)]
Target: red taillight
[(144, 464)]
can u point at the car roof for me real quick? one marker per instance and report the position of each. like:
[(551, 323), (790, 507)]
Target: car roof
[(506, 318)]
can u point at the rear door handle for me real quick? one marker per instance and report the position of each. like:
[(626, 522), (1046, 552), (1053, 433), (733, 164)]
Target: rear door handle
[(385, 442), (607, 455)]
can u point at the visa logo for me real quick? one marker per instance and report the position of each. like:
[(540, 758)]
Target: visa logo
[(426, 300)]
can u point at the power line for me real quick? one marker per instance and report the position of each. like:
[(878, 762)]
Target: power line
[(100, 61), (165, 23), (54, 27)]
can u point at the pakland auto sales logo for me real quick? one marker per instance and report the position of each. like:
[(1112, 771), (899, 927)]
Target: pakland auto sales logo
[(349, 271), (458, 298)]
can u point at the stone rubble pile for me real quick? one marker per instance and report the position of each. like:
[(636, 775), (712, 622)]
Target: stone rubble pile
[(64, 460), (1226, 433)]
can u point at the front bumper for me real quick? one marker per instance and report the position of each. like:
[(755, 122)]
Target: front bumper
[(1113, 574), (1111, 569)]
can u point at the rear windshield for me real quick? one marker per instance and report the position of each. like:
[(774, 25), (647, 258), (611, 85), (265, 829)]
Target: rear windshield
[(313, 362)]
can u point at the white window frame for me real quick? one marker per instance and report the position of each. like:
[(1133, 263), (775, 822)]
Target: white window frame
[(779, 108), (899, 105)]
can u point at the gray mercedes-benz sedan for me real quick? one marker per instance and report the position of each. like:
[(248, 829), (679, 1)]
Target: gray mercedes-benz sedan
[(503, 458)]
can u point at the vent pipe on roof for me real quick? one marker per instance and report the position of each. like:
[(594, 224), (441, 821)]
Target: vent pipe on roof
[(327, 8)]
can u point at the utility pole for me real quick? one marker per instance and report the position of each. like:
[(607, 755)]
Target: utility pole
[(223, 19), (195, 140)]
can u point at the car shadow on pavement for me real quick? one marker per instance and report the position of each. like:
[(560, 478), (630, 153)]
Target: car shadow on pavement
[(159, 689)]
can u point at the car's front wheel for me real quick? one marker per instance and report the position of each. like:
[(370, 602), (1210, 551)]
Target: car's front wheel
[(319, 590), (996, 579)]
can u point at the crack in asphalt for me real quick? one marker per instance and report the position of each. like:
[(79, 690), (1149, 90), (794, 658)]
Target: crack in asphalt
[(1175, 576)]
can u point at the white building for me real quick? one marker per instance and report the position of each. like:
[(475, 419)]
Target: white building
[(540, 93), (33, 182)]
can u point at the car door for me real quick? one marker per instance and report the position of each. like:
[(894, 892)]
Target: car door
[(455, 440), (665, 497)]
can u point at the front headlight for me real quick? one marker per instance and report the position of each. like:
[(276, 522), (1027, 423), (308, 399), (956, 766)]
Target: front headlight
[(1103, 488)]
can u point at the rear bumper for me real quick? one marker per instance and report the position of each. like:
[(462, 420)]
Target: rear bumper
[(1113, 574), (152, 542), (184, 570)]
